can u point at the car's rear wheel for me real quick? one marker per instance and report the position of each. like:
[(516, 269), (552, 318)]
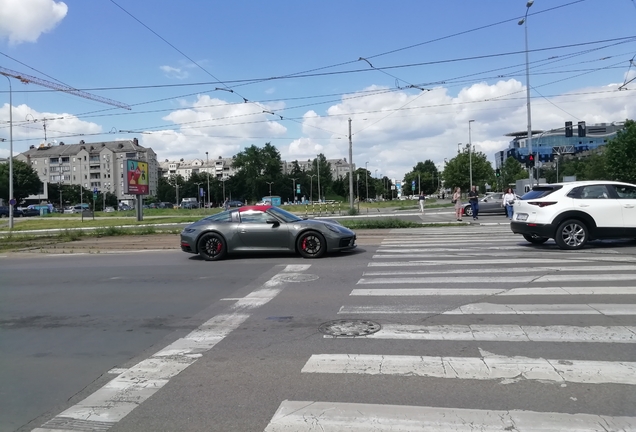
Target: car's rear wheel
[(534, 239), (312, 245), (212, 247), (571, 234), (468, 211)]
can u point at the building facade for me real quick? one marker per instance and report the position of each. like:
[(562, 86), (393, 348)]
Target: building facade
[(93, 165), (578, 139), (221, 167)]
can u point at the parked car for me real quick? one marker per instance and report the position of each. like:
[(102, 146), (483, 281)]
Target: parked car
[(166, 205), (109, 209), (491, 204), (189, 205), (235, 203), (264, 229), (29, 212), (124, 207), (4, 212), (574, 213)]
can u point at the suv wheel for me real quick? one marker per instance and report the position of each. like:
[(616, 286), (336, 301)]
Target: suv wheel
[(571, 234)]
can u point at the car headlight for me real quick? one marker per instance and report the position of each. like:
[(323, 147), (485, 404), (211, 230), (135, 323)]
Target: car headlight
[(332, 228), (188, 230)]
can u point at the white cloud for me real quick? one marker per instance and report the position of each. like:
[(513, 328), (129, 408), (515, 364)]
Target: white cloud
[(26, 20), (215, 126), (59, 127), (393, 131), (172, 72)]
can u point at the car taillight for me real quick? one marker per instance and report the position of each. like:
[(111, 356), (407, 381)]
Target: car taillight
[(542, 203)]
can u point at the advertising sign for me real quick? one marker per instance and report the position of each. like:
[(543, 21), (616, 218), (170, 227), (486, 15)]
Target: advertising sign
[(136, 177)]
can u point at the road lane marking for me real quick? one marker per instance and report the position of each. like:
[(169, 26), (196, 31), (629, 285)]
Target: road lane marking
[(501, 279), (109, 404), (539, 291), (309, 416), (499, 309), (458, 262), (487, 367), (507, 333), (577, 268)]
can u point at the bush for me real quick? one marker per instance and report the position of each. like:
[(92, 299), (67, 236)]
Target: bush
[(380, 224)]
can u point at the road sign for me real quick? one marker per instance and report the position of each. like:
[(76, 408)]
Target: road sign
[(12, 201), (297, 189), (413, 185)]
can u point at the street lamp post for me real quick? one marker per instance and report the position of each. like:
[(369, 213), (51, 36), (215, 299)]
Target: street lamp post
[(223, 181), (366, 177), (350, 168), (311, 187), (470, 153), (199, 191), (10, 153), (207, 171), (524, 22), (294, 188), (459, 145), (270, 188), (376, 174)]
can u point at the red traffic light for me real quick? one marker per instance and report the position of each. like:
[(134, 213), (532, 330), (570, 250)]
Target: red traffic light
[(531, 158)]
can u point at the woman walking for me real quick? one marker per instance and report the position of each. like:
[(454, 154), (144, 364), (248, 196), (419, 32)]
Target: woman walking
[(457, 199), (508, 200)]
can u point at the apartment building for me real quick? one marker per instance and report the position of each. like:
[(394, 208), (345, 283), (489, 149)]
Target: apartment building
[(97, 165)]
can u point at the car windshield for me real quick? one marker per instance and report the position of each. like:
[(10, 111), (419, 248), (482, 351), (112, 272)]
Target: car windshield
[(540, 192), (284, 215)]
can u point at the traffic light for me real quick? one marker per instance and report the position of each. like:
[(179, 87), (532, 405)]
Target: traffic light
[(497, 172), (531, 161), (568, 129), (582, 129)]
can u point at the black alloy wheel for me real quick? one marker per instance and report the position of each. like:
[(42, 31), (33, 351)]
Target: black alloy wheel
[(212, 247), (311, 245)]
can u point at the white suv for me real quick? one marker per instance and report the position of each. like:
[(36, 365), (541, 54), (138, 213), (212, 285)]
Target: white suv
[(573, 213)]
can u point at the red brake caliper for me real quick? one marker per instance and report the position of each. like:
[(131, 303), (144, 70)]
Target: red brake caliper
[(304, 246), (219, 245)]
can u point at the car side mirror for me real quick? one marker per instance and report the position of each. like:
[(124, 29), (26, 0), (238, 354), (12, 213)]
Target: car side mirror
[(273, 222)]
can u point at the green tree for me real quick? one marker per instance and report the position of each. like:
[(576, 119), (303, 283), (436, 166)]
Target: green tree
[(25, 181), (425, 175), (511, 171), (620, 154), (457, 171), (255, 166)]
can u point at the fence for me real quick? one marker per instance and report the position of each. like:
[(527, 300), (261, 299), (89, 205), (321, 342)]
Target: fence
[(323, 209)]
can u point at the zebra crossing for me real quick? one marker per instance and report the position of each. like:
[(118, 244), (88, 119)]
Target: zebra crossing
[(439, 287)]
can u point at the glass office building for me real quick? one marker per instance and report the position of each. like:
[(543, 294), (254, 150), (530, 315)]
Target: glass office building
[(547, 144)]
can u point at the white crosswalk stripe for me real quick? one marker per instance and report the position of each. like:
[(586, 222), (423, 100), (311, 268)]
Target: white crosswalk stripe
[(481, 286)]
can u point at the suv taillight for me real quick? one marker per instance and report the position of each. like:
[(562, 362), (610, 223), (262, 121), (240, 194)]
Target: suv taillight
[(542, 203)]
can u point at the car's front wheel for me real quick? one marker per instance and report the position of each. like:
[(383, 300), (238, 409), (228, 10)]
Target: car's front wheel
[(535, 239), (312, 245), (571, 234), (468, 211), (212, 247)]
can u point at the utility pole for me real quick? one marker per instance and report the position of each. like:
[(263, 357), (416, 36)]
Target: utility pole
[(470, 154), (318, 173), (270, 188), (366, 177), (350, 168)]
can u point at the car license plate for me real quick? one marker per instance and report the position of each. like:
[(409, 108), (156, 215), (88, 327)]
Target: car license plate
[(522, 217)]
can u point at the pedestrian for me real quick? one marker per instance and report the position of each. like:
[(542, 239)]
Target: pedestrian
[(226, 204), (457, 200), (422, 200), (473, 199), (508, 201)]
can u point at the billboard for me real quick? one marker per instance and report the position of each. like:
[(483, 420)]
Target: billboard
[(136, 177)]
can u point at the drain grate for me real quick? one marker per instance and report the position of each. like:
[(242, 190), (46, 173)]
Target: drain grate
[(349, 327)]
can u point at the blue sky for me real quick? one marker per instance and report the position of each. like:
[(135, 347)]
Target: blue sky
[(431, 66)]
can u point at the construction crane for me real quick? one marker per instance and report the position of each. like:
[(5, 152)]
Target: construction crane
[(26, 79)]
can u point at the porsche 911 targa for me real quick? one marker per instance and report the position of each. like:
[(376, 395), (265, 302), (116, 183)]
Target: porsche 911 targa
[(264, 228)]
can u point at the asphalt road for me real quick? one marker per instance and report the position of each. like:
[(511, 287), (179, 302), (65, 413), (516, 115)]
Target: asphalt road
[(476, 327)]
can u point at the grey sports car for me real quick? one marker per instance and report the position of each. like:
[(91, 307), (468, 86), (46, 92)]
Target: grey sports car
[(264, 228)]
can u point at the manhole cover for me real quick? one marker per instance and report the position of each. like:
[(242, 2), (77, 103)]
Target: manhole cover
[(349, 327), (297, 277)]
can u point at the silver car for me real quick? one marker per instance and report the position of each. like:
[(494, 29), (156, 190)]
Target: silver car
[(264, 228), (491, 203)]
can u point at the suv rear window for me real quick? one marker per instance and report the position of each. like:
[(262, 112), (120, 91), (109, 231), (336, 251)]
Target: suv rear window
[(540, 192)]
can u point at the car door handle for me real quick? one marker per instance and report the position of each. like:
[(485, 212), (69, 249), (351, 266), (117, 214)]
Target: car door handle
[(628, 206), (584, 205)]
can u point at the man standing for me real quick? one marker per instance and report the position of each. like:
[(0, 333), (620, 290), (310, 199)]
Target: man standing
[(422, 199), (473, 199)]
